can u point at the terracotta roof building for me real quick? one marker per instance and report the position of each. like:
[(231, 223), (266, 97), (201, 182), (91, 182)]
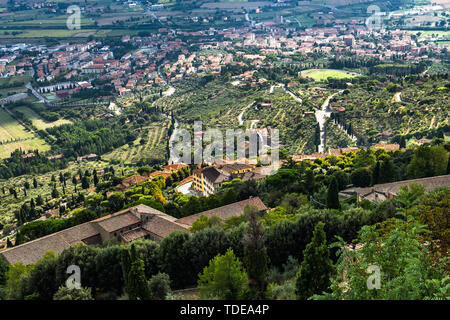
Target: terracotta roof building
[(225, 212), (126, 225), (381, 192), (208, 180)]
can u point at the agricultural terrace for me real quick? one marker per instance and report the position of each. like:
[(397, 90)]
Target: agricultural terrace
[(150, 145)]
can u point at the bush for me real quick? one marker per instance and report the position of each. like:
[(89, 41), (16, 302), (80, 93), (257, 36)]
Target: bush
[(159, 286)]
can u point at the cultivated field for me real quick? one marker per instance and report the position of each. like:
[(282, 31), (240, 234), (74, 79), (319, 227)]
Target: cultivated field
[(150, 144)]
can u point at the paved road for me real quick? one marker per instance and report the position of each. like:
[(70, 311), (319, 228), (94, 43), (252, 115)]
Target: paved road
[(36, 94)]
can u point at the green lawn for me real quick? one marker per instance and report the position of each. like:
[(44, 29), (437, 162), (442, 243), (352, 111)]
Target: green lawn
[(323, 74)]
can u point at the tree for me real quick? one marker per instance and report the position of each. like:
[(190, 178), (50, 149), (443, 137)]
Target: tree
[(361, 177), (116, 201), (174, 259), (255, 254), (402, 142), (14, 275), (41, 280), (159, 286), (428, 162), (39, 200), (433, 211), (3, 269), (309, 181), (204, 222), (204, 245), (224, 278), (448, 166), (75, 181), (376, 173), (315, 270), (95, 178), (371, 272), (134, 272), (65, 293), (55, 193), (387, 171), (85, 182), (333, 194)]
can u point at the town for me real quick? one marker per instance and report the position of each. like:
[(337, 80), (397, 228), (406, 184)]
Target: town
[(336, 168)]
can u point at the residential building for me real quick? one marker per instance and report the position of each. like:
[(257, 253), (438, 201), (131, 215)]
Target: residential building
[(208, 180)]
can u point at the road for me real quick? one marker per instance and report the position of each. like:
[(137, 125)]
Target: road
[(290, 93), (241, 121), (36, 94)]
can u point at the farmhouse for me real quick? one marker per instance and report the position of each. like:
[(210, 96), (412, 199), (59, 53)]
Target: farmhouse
[(127, 225)]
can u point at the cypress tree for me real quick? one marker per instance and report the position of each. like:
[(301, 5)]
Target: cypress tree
[(313, 276), (84, 182), (74, 181), (255, 254), (35, 184), (55, 193), (376, 174), (402, 142), (133, 269), (333, 194), (387, 171), (309, 181), (95, 178)]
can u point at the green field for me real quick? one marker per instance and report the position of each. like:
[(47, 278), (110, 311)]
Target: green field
[(323, 74), (10, 129), (14, 136), (45, 33), (38, 122), (29, 144), (434, 33)]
